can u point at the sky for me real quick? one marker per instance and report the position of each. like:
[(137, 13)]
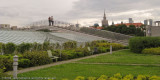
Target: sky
[(85, 12)]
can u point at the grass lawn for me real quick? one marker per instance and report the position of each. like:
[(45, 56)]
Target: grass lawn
[(125, 56), (73, 70)]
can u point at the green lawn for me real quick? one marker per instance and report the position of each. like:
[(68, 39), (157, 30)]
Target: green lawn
[(73, 70), (125, 56)]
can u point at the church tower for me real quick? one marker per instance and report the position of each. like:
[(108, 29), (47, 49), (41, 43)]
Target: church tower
[(105, 21)]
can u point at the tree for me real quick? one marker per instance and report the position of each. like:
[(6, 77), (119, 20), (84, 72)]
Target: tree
[(96, 25)]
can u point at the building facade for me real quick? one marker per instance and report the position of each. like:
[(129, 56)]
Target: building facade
[(5, 26), (131, 20), (153, 31), (105, 21)]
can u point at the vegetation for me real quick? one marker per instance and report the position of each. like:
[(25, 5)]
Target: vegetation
[(8, 48), (37, 58), (131, 30), (88, 67), (137, 44), (118, 76), (23, 47), (34, 54), (72, 70), (155, 51), (124, 57), (44, 30)]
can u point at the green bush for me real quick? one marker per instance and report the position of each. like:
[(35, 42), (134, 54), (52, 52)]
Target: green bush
[(6, 63), (103, 49), (36, 46), (137, 44), (24, 63), (151, 51), (37, 58), (118, 77), (116, 46), (23, 47), (46, 45), (8, 48), (70, 45), (1, 47)]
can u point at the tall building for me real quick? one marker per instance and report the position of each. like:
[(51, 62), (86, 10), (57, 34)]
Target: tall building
[(105, 21), (150, 22), (131, 20), (145, 22)]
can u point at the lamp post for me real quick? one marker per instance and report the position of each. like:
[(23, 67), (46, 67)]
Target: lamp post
[(15, 66), (61, 44), (111, 47)]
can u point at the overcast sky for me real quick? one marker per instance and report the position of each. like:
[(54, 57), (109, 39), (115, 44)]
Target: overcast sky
[(86, 12)]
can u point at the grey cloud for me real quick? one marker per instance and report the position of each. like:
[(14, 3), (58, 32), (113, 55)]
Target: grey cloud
[(122, 9), (89, 7)]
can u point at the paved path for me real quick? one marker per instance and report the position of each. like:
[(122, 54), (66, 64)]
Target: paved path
[(54, 64)]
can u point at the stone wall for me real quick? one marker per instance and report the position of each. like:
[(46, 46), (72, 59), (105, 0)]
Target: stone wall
[(153, 31)]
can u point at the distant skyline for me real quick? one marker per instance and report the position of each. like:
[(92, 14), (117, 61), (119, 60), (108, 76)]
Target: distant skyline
[(87, 12)]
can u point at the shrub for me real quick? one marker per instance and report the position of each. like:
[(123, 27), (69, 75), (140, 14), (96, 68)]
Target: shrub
[(151, 51), (129, 77), (36, 47), (23, 47), (46, 45), (137, 44), (1, 47), (118, 76), (37, 58), (103, 49), (91, 78), (79, 78), (103, 77), (9, 48), (154, 78), (6, 63), (24, 63), (141, 77), (70, 45), (116, 46)]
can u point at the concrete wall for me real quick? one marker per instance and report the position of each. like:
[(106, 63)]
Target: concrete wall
[(153, 31)]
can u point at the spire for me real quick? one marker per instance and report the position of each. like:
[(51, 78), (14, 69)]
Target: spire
[(104, 15), (112, 22)]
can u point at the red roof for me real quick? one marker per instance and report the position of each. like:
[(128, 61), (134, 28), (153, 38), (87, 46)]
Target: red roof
[(97, 27), (128, 24)]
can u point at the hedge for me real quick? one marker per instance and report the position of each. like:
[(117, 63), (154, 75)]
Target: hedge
[(8, 48), (137, 44), (37, 58), (155, 51)]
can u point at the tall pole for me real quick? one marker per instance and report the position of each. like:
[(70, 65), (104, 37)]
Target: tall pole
[(111, 47)]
